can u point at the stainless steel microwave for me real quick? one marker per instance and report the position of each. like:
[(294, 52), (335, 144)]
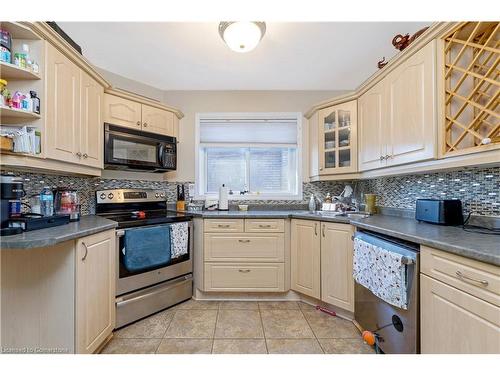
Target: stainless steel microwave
[(136, 150)]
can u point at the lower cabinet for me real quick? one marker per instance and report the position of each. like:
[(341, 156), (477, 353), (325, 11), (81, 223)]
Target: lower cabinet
[(95, 290), (321, 260), (459, 304), (305, 256), (337, 283)]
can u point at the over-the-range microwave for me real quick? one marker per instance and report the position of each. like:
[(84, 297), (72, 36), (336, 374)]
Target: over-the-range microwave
[(136, 150)]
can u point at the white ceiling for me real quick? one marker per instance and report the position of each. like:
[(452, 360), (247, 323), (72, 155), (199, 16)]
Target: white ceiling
[(192, 56)]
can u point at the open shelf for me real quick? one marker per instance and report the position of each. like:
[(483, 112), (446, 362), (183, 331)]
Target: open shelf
[(18, 113), (18, 31), (10, 71)]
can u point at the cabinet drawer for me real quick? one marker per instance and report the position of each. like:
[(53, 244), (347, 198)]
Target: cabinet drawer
[(244, 247), (264, 225), (224, 225), (244, 277), (479, 279)]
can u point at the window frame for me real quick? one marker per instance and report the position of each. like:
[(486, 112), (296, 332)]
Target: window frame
[(200, 160)]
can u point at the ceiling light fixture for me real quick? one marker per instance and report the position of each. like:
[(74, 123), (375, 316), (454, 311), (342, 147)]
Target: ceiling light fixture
[(242, 36)]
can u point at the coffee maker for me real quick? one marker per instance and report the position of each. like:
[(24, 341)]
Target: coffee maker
[(11, 189)]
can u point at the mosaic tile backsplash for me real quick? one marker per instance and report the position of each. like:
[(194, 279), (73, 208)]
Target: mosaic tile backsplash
[(478, 188)]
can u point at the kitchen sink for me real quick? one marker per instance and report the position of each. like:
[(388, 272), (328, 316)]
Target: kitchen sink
[(352, 214)]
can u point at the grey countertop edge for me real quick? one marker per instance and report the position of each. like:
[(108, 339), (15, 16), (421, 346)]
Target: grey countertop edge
[(89, 224)]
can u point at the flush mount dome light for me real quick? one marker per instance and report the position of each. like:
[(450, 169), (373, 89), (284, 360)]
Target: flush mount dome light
[(242, 36)]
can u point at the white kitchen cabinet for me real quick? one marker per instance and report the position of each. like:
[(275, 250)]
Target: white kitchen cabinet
[(95, 290), (157, 120), (337, 283), (305, 255)]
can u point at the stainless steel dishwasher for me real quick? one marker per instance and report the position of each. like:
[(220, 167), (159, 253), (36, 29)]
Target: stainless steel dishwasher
[(401, 334)]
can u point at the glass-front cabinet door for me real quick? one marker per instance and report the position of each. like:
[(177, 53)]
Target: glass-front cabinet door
[(338, 139)]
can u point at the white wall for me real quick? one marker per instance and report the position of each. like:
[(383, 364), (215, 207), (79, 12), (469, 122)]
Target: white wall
[(192, 102)]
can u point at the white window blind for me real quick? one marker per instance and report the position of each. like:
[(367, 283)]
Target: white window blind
[(254, 155)]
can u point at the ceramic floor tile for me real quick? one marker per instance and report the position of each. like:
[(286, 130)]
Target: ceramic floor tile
[(293, 346), (192, 324), (185, 346), (285, 324), (346, 346), (154, 326), (278, 305), (131, 346), (326, 326), (239, 305), (239, 346), (239, 324), (197, 305)]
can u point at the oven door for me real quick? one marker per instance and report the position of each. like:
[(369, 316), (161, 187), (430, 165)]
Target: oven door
[(127, 281), (132, 149)]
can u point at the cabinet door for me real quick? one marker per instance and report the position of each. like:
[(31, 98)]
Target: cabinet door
[(95, 290), (337, 283), (91, 124), (157, 120), (63, 107), (371, 128), (338, 139), (122, 112), (306, 257), (411, 107), (456, 322)]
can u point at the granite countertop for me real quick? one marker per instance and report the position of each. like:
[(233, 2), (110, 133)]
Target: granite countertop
[(87, 225), (481, 247)]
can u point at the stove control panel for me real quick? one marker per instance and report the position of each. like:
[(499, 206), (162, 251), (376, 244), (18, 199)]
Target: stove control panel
[(130, 196)]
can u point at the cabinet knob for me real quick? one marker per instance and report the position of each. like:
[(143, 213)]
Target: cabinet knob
[(145, 124), (85, 156), (79, 154), (138, 123)]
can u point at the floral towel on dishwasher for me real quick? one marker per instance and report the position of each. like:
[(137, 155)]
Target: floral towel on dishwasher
[(382, 272), (179, 239)]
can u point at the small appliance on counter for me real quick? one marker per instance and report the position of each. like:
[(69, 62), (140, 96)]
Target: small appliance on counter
[(67, 202), (440, 211), (13, 220)]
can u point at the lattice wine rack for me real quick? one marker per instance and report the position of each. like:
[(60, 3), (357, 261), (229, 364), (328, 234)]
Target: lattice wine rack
[(472, 116)]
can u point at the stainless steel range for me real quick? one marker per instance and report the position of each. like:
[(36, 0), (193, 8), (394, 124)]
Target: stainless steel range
[(148, 278)]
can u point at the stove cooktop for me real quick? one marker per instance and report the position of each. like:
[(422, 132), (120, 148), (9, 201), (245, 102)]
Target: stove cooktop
[(141, 218)]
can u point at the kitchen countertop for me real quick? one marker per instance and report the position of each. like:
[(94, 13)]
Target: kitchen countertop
[(87, 225), (481, 247)]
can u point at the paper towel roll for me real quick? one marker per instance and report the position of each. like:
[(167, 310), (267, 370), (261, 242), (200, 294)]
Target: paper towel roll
[(223, 198)]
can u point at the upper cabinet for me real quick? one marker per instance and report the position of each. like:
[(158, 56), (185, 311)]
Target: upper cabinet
[(122, 112), (397, 116), (337, 136), (74, 122), (132, 111)]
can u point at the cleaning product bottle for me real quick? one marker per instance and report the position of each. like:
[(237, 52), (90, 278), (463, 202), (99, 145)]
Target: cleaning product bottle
[(36, 102), (312, 203)]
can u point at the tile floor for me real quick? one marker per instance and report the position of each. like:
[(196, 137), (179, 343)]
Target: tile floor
[(204, 327)]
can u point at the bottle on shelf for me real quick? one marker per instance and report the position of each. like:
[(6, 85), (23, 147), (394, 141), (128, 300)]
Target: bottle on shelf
[(36, 102), (47, 202)]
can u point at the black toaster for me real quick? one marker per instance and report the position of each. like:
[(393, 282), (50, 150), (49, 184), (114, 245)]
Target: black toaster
[(440, 211)]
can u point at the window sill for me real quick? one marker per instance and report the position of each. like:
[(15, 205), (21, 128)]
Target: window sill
[(253, 197)]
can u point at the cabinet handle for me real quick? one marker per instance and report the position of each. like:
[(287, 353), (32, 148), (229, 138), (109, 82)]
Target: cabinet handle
[(85, 156), (315, 229), (86, 251), (244, 271), (138, 123), (145, 124), (264, 226), (223, 226), (323, 230), (244, 241), (79, 154), (466, 278)]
